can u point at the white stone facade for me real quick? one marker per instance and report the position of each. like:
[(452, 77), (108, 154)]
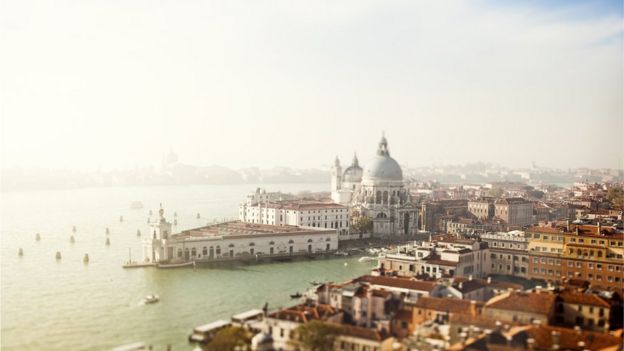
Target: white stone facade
[(378, 192), (231, 241), (303, 213)]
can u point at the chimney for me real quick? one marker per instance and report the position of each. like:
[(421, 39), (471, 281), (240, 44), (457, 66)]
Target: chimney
[(599, 228), (555, 336), (568, 225)]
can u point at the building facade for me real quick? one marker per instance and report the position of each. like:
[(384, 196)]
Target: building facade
[(235, 240), (304, 213), (508, 253), (590, 252), (515, 211), (377, 192)]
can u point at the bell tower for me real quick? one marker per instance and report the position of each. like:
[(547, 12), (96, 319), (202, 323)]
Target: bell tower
[(336, 176)]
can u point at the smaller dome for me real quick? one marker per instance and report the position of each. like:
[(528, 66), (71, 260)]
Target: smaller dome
[(353, 174)]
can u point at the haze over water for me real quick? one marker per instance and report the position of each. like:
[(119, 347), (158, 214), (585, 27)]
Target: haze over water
[(67, 305)]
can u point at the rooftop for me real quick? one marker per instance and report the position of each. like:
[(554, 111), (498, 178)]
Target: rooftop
[(449, 305), (397, 282), (523, 301), (238, 228)]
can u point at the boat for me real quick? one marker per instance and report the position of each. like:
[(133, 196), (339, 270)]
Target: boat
[(205, 333), (341, 253), (134, 264), (136, 205), (314, 282), (366, 259), (295, 295), (176, 265), (149, 299)]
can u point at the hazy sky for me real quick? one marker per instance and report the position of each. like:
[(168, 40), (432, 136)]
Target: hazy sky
[(115, 83)]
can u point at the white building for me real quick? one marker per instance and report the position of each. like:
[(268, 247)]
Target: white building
[(235, 241), (304, 213), (378, 192), (442, 257)]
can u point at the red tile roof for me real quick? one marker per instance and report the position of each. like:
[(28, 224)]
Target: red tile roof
[(541, 303)]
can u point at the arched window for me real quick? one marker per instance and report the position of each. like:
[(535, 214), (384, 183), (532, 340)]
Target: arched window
[(309, 240), (378, 197), (204, 251), (385, 197), (252, 244), (218, 250), (193, 252), (272, 243), (291, 242), (231, 245)]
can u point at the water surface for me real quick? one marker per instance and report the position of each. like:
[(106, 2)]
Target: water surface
[(67, 305)]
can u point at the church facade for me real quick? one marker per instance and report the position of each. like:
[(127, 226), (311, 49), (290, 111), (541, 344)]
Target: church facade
[(376, 191)]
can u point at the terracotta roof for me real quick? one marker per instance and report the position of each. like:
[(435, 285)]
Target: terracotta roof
[(512, 201), (523, 301), (450, 305), (380, 293), (569, 338), (397, 282), (477, 321), (579, 298), (303, 313), (362, 333)]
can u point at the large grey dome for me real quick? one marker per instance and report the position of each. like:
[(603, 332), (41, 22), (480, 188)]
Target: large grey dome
[(383, 167)]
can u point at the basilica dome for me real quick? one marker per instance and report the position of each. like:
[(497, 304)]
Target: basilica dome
[(353, 173), (383, 167)]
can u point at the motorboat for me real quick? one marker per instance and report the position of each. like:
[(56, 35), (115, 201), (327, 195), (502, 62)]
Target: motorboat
[(366, 259), (295, 295), (341, 253), (150, 299)]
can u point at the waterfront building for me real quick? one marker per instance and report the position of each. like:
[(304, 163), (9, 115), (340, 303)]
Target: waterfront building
[(508, 253), (301, 212), (515, 211), (590, 252), (378, 192), (444, 256), (235, 240)]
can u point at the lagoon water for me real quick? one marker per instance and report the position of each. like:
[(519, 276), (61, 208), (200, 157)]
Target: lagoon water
[(67, 305)]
